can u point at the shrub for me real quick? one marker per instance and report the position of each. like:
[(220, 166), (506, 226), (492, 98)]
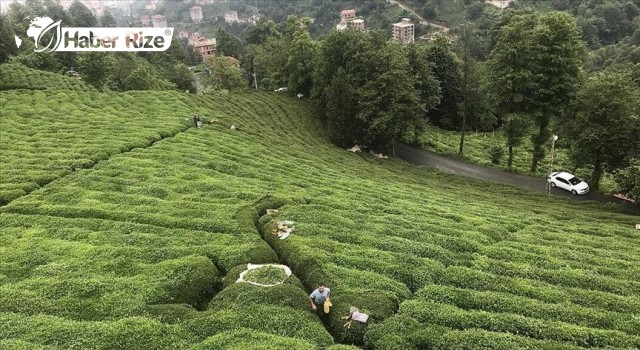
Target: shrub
[(251, 339), (496, 152)]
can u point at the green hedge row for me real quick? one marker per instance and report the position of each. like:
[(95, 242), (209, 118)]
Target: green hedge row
[(128, 333), (464, 277), (545, 258), (508, 303), (17, 76), (566, 277), (450, 316), (401, 332), (252, 339)]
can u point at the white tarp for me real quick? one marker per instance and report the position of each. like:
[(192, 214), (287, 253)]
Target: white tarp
[(286, 269)]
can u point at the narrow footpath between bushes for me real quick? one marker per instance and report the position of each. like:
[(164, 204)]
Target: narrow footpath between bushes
[(260, 211), (419, 156), (96, 162)]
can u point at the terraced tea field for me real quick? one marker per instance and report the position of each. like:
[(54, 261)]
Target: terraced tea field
[(124, 227)]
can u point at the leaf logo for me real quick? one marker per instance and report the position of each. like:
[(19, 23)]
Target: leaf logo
[(44, 29)]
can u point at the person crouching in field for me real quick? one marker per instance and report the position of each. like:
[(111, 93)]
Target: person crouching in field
[(317, 299), (196, 120)]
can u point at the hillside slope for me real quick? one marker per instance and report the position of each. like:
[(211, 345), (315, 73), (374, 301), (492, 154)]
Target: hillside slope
[(139, 245)]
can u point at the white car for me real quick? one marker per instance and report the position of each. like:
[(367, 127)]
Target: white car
[(568, 182)]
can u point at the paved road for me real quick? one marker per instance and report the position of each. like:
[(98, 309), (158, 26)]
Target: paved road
[(419, 156), (422, 20)]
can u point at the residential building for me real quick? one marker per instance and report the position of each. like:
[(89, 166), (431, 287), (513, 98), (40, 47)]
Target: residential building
[(195, 38), (500, 3), (347, 15), (357, 24), (145, 20), (404, 31), (196, 14), (231, 17), (183, 34), (159, 21), (206, 48)]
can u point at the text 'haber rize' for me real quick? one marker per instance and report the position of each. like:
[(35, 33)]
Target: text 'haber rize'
[(132, 40)]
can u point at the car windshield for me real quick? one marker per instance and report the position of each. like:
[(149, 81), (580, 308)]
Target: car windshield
[(574, 180)]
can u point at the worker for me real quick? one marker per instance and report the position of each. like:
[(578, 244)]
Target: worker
[(196, 120), (317, 299)]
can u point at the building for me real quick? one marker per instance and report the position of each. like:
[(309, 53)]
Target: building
[(206, 48), (357, 24), (159, 21), (231, 17), (347, 15), (145, 20), (183, 34), (404, 31), (195, 38), (196, 14), (500, 3)]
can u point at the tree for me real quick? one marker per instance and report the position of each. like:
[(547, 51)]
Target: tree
[(107, 19), (425, 82), (7, 42), (341, 110), (447, 70), (556, 66), (628, 180), (535, 65), (81, 16), (604, 128), (224, 74), (367, 76), (183, 78), (228, 44), (301, 53), (96, 67)]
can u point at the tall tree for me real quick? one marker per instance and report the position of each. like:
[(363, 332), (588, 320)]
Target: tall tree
[(81, 16), (302, 51), (535, 67), (425, 82), (447, 70), (107, 19), (228, 44), (605, 127), (511, 81), (556, 65), (7, 43), (386, 103)]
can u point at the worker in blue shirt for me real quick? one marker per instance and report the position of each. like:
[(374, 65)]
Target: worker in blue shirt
[(317, 299)]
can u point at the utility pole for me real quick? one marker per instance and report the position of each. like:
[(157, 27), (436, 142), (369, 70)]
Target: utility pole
[(553, 148)]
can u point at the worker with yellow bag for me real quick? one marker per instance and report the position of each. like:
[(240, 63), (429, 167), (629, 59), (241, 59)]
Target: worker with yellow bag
[(320, 303)]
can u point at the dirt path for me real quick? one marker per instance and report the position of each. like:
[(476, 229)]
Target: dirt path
[(419, 156)]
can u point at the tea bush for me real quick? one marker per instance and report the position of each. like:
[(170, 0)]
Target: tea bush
[(136, 226)]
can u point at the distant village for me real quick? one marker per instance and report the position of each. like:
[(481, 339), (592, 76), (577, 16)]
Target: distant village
[(402, 31)]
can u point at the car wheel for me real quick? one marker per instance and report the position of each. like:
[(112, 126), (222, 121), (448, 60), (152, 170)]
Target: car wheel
[(574, 192), (553, 184)]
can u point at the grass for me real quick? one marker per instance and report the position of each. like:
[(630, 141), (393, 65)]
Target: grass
[(142, 247), (477, 151)]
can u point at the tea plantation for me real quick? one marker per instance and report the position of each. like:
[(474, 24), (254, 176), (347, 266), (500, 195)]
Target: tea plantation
[(122, 226)]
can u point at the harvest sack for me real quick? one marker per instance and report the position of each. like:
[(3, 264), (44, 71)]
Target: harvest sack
[(327, 306)]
